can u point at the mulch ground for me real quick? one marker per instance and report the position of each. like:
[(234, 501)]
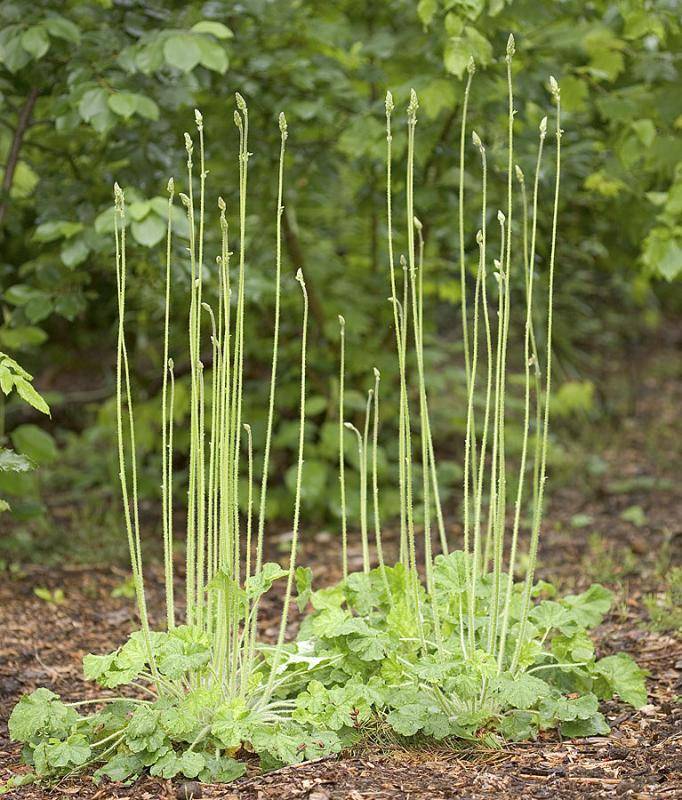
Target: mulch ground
[(43, 644)]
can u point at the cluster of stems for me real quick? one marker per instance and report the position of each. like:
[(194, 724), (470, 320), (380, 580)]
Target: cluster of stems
[(221, 554), (492, 520)]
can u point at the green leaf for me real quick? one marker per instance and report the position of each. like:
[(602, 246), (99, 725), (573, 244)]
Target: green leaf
[(13, 55), (216, 29), (120, 667), (6, 380), (19, 294), (35, 41), (40, 713), (190, 764), (149, 57), (321, 743), (450, 573), (123, 103), (588, 609), (146, 107), (121, 767), (92, 103), (333, 622), (315, 475), (15, 781), (213, 56), (150, 231), (281, 744), (167, 766), (644, 128), (38, 307), (70, 305), (57, 229), (62, 28), (75, 751), (574, 93), (28, 393), (662, 253), (426, 10), (233, 592), (370, 648), (518, 726), (624, 678), (595, 725), (13, 462), (304, 587), (409, 719), (261, 582), (55, 598), (94, 667), (336, 708), (222, 770), (549, 614), (143, 731), (139, 209), (522, 692), (185, 649), (606, 65), (635, 515), (74, 253), (34, 442), (22, 336), (230, 723), (363, 592), (460, 49), (437, 96), (566, 709), (182, 50), (575, 646), (11, 364)]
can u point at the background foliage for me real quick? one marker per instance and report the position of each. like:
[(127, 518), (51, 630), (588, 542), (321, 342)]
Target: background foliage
[(93, 92)]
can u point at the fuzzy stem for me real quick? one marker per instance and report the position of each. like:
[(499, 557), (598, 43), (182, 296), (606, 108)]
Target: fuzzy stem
[(478, 494), (275, 341), (399, 326), (297, 497), (342, 464), (526, 417), (375, 487), (535, 534), (166, 474), (123, 374), (249, 500), (362, 458)]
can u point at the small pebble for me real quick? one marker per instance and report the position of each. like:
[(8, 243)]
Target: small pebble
[(189, 790)]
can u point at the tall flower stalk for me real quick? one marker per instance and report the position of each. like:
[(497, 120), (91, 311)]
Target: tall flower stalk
[(225, 572), (490, 543)]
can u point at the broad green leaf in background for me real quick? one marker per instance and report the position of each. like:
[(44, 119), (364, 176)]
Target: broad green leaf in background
[(214, 28), (36, 41), (34, 442), (182, 50), (150, 231)]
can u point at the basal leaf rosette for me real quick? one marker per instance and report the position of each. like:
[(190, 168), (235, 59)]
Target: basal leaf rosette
[(400, 659), (181, 724)]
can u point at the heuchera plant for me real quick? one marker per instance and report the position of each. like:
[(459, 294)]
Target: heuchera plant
[(468, 652)]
